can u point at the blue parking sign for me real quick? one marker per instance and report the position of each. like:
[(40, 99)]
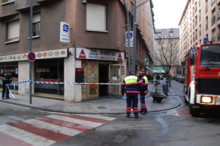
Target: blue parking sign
[(65, 28), (129, 35)]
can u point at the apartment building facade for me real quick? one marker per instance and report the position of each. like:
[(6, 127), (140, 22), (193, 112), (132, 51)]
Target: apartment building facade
[(167, 51), (200, 18), (95, 51)]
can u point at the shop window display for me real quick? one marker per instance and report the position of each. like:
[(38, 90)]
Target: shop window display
[(49, 71)]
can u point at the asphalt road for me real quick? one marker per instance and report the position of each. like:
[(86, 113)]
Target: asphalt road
[(174, 127), (166, 128)]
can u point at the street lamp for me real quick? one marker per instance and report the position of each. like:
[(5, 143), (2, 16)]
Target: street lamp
[(134, 29)]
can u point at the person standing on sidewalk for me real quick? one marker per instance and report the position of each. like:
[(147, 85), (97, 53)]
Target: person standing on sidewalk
[(143, 78), (132, 86), (6, 80)]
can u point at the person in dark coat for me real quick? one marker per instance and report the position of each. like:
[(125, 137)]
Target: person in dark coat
[(5, 92), (132, 86), (158, 77), (144, 79)]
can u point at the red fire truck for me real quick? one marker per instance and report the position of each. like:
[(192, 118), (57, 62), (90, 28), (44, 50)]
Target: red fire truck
[(202, 78)]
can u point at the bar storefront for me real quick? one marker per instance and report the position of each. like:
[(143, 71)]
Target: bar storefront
[(101, 66), (48, 67)]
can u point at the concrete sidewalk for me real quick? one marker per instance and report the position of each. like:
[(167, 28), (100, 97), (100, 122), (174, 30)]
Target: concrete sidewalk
[(107, 105)]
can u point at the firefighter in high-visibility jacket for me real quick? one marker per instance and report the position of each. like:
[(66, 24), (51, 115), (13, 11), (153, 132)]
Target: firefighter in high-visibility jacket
[(143, 78), (132, 86)]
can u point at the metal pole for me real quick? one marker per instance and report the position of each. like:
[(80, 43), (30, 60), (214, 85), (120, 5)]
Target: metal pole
[(128, 29), (30, 63), (134, 29)]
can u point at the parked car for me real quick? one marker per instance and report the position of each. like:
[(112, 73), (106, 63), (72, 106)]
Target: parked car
[(180, 78)]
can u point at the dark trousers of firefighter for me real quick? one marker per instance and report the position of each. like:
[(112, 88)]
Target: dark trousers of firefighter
[(5, 92), (132, 99), (143, 105)]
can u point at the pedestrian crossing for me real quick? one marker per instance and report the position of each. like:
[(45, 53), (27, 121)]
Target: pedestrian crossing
[(45, 131)]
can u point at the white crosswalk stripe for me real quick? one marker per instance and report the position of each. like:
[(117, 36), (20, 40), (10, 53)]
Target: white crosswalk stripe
[(54, 128), (25, 136), (100, 117), (73, 120)]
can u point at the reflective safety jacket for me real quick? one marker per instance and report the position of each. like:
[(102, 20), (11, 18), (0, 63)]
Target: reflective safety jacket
[(131, 84), (145, 84)]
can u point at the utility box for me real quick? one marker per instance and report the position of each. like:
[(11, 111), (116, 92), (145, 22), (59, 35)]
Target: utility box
[(79, 75)]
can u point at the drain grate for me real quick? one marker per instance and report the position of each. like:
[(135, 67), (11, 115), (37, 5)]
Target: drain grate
[(101, 107)]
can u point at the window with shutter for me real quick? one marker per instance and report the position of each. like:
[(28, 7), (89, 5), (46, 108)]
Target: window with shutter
[(95, 17)]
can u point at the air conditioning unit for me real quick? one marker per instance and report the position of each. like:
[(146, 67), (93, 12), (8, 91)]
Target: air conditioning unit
[(84, 1)]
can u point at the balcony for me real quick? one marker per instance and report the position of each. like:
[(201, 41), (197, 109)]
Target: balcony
[(7, 9), (45, 1), (23, 5)]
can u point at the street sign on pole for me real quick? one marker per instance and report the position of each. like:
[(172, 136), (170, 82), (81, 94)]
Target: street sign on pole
[(64, 32), (129, 39), (30, 63), (128, 30), (31, 56), (134, 29), (146, 61)]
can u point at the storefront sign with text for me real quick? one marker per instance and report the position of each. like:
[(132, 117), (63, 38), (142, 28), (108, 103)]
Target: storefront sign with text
[(59, 53), (94, 54)]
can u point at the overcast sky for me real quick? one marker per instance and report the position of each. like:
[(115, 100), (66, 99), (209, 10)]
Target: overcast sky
[(167, 13)]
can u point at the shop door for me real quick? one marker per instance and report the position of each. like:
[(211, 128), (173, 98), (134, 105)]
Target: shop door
[(91, 75), (103, 78), (115, 77)]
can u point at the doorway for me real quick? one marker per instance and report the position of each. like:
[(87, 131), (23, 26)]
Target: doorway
[(103, 78)]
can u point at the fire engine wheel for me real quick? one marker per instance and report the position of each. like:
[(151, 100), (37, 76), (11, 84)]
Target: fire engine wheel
[(195, 112)]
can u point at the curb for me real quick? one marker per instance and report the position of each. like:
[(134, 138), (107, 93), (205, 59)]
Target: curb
[(177, 104)]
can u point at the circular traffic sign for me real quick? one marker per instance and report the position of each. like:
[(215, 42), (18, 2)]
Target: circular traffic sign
[(31, 56)]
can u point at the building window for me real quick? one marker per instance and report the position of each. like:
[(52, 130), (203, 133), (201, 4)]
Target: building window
[(196, 21), (213, 16), (207, 25), (13, 30), (158, 34), (206, 7), (195, 7), (199, 15), (213, 35), (218, 32), (171, 34), (218, 13), (36, 25), (95, 17)]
